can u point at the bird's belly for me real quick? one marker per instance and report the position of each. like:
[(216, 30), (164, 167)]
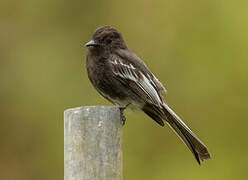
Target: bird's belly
[(111, 88), (115, 92)]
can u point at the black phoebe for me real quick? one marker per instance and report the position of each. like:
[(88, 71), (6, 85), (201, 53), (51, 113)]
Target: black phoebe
[(120, 76)]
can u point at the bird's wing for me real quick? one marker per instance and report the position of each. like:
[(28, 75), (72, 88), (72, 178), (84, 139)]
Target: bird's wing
[(131, 57), (142, 83)]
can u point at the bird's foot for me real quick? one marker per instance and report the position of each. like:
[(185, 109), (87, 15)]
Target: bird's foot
[(123, 118)]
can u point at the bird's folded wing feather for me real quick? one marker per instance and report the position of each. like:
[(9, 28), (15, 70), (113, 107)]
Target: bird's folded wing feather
[(142, 82)]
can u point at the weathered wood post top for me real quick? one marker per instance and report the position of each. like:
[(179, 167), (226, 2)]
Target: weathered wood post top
[(93, 143)]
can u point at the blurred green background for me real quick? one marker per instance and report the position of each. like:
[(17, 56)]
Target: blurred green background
[(198, 49)]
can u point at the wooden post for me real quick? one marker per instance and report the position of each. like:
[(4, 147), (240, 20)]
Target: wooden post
[(93, 143)]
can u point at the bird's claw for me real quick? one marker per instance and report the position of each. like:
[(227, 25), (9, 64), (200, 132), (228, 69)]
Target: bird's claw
[(123, 118)]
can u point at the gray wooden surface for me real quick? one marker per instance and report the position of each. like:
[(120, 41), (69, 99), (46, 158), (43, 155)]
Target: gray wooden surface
[(92, 143)]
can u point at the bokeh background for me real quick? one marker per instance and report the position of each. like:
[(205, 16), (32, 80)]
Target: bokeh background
[(198, 49)]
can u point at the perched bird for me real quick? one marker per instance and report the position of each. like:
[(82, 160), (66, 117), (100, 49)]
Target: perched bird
[(120, 76)]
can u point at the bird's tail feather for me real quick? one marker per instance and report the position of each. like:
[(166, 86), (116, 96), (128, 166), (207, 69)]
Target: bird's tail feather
[(154, 113), (198, 149)]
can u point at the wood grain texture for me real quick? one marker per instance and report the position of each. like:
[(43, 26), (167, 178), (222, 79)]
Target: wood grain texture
[(93, 143)]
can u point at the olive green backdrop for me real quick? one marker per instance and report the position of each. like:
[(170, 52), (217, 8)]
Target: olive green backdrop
[(198, 49)]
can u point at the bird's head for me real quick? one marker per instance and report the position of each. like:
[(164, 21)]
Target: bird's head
[(106, 38)]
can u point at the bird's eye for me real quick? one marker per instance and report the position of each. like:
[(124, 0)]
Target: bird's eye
[(108, 41)]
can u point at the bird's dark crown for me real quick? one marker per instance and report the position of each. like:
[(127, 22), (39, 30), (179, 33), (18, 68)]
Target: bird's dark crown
[(109, 37)]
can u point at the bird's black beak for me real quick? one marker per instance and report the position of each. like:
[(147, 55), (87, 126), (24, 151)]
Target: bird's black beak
[(91, 43)]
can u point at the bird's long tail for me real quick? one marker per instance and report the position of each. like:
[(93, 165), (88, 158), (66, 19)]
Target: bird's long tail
[(198, 149)]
